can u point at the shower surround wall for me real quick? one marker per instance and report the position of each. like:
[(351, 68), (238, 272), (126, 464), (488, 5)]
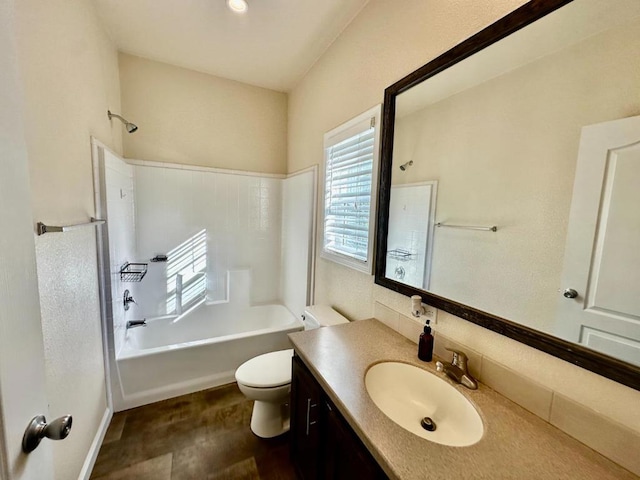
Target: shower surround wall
[(298, 235), (240, 213), (120, 198), (153, 209), (259, 225)]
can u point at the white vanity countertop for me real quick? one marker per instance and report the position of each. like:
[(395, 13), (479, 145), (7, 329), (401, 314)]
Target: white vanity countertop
[(516, 444)]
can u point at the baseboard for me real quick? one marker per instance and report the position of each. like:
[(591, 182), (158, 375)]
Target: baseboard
[(175, 390), (92, 455)]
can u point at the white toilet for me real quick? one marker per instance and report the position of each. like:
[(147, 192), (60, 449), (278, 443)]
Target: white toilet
[(266, 379)]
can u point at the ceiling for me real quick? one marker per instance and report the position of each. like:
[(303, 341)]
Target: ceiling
[(272, 45)]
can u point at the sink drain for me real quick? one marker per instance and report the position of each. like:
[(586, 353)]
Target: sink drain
[(428, 424)]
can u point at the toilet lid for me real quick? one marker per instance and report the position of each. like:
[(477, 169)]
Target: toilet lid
[(265, 371)]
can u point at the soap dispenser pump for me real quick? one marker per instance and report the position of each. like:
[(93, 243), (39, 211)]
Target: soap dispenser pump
[(425, 344)]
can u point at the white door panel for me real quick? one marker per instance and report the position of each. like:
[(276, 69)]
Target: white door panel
[(22, 376), (618, 238), (602, 256), (625, 349)]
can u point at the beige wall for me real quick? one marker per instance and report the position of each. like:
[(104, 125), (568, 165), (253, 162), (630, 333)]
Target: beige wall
[(383, 44), (70, 78), (198, 119)]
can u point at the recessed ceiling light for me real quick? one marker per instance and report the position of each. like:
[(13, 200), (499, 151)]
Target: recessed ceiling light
[(237, 6)]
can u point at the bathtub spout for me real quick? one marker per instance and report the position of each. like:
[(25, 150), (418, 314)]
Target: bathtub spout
[(136, 323)]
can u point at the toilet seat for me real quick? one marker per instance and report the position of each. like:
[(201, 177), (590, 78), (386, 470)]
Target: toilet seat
[(269, 370)]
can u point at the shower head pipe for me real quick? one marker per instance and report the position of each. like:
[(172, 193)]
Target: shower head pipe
[(404, 166), (131, 127)]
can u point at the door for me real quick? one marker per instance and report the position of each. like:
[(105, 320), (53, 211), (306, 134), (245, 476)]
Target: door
[(600, 302), (22, 378)]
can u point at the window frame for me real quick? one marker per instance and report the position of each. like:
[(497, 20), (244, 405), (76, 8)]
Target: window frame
[(331, 138)]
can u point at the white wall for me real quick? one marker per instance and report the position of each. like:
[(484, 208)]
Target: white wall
[(193, 118), (388, 43), (242, 216), (70, 77)]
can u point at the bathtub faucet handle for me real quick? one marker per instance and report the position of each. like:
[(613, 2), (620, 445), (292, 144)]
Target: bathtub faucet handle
[(127, 299), (136, 323)]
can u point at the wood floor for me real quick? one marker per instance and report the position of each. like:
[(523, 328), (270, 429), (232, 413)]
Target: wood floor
[(201, 436)]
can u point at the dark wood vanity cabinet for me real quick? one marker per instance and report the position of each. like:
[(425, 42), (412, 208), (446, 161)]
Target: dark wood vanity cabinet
[(345, 457), (306, 396), (323, 445)]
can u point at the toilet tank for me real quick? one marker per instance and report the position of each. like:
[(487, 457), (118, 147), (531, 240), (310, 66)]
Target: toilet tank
[(316, 316)]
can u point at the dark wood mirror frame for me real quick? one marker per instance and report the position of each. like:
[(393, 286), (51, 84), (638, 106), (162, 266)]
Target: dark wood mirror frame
[(601, 364)]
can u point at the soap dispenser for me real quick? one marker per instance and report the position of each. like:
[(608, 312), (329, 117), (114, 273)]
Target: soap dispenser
[(425, 344)]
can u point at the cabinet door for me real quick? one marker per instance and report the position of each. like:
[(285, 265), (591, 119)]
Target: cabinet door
[(345, 456), (305, 416)]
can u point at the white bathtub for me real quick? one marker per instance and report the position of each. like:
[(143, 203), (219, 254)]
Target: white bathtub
[(201, 349)]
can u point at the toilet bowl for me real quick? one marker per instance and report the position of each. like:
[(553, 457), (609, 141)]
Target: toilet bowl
[(266, 379)]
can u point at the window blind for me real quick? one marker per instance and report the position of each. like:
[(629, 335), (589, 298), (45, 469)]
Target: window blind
[(348, 183)]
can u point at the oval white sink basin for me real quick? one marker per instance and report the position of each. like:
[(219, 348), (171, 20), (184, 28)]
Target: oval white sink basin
[(406, 394)]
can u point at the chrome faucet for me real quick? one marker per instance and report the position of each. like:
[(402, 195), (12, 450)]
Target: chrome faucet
[(136, 323), (457, 369)]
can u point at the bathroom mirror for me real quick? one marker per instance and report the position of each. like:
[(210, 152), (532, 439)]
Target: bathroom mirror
[(508, 185)]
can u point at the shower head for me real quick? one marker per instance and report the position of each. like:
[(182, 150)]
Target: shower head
[(131, 127), (404, 166)]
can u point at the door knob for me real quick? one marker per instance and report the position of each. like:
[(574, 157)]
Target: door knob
[(39, 428), (570, 293)]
